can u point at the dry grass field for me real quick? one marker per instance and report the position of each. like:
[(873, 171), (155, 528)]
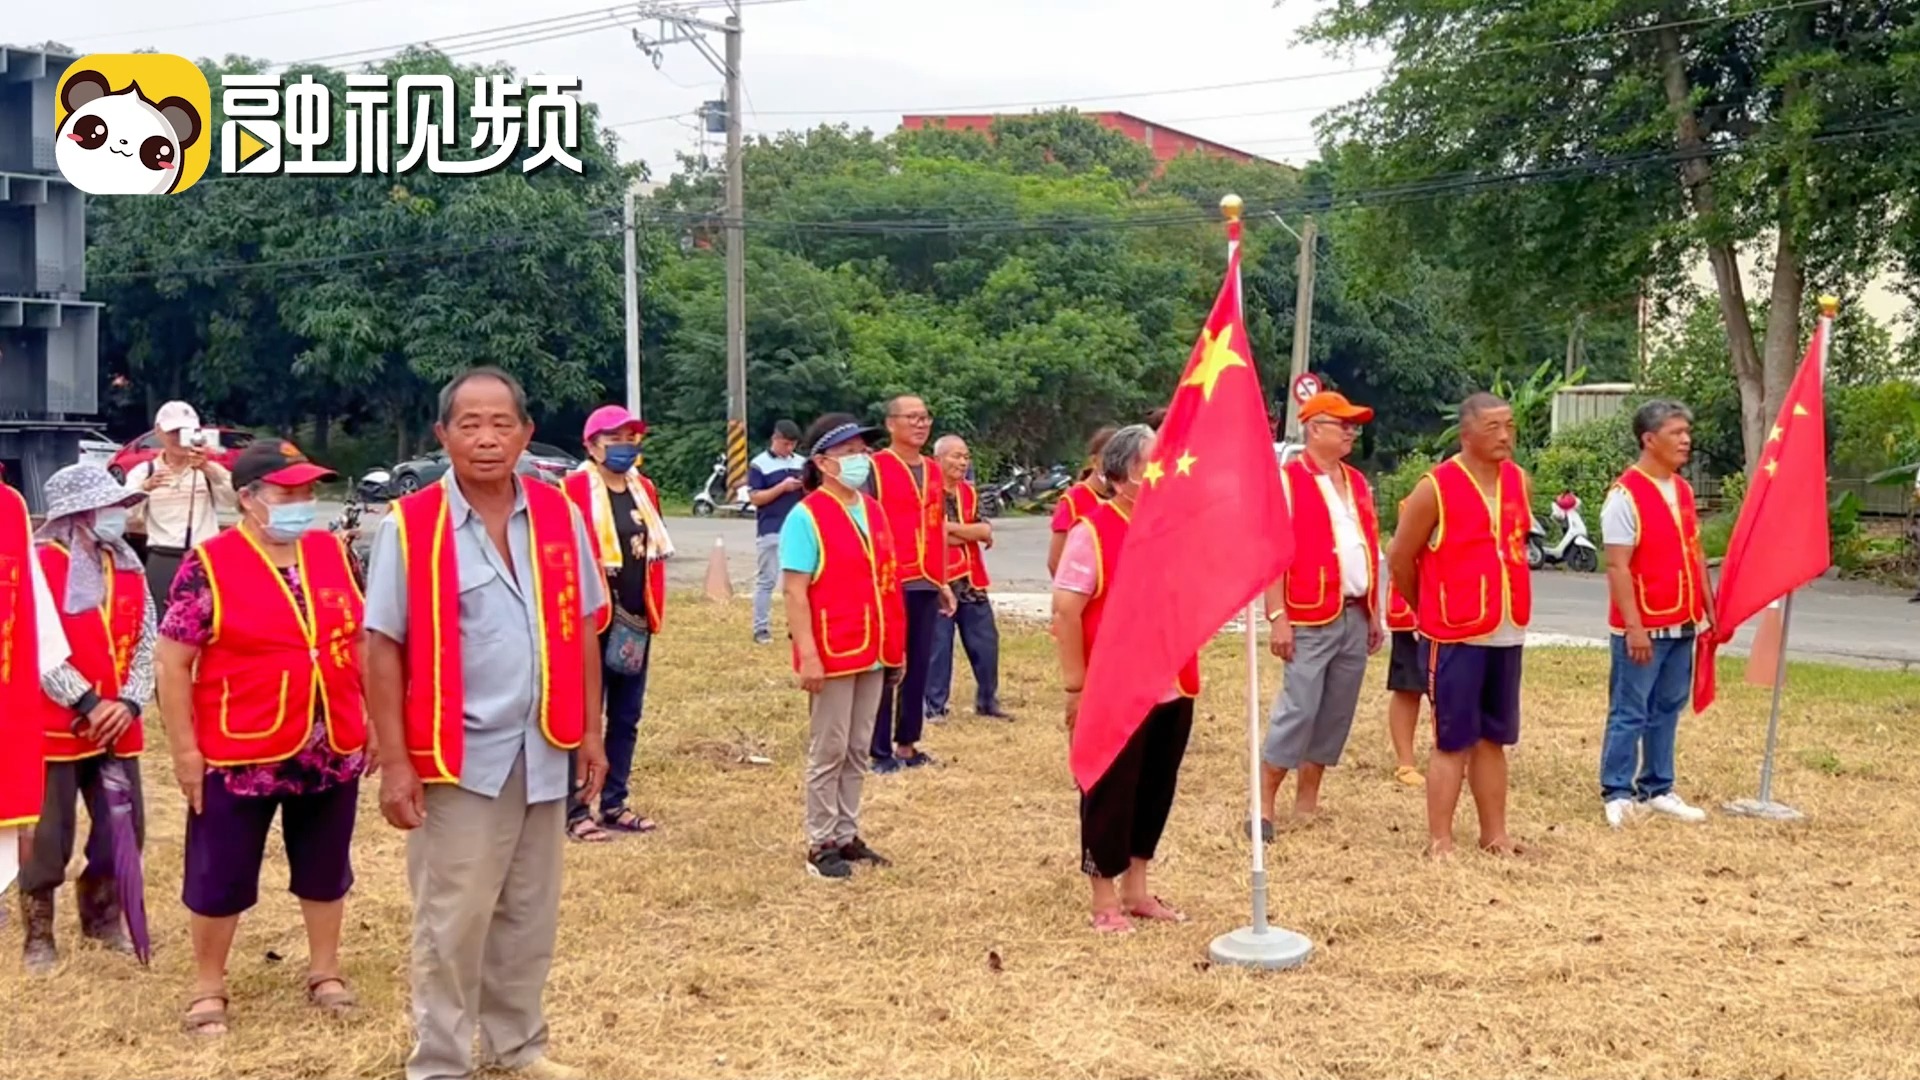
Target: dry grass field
[(1731, 949)]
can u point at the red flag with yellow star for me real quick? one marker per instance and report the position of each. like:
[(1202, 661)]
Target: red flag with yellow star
[(1209, 532), (1780, 541)]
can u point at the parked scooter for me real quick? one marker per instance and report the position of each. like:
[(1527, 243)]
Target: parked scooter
[(1574, 548), (376, 486), (709, 498), (998, 497)]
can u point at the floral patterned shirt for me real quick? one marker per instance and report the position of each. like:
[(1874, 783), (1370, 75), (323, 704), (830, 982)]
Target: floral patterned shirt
[(189, 620)]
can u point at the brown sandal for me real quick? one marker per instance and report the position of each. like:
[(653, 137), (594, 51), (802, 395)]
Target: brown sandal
[(338, 1002), (197, 1023)]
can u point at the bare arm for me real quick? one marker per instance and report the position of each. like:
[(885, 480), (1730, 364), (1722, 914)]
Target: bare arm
[(173, 669), (1620, 583), (1054, 547), (1069, 638), (1418, 515), (596, 715), (977, 533), (386, 675)]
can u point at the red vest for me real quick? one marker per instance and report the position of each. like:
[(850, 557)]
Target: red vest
[(23, 771), (964, 560), (1400, 614), (859, 614), (1669, 567), (101, 643), (1474, 571), (1109, 525), (1074, 506), (917, 513), (255, 688), (1312, 591), (436, 699), (579, 488)]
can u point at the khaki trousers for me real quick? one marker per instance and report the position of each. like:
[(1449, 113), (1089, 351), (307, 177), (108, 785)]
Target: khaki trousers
[(843, 716), (485, 875)]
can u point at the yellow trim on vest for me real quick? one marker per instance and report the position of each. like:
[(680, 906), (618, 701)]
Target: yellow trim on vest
[(442, 524)]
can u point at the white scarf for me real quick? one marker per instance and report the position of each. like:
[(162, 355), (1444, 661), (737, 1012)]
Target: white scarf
[(659, 544)]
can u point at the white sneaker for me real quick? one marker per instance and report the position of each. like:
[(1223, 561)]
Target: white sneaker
[(1674, 806), (1621, 811)]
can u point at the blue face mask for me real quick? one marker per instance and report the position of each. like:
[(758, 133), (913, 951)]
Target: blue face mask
[(287, 522), (622, 456), (855, 469), (110, 522)]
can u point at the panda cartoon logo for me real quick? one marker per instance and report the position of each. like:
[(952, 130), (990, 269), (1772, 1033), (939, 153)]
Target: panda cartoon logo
[(119, 142)]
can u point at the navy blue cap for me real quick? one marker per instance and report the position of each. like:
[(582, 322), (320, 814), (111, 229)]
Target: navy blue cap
[(844, 433)]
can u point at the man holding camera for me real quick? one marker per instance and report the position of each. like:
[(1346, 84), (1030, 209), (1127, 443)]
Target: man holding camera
[(184, 489)]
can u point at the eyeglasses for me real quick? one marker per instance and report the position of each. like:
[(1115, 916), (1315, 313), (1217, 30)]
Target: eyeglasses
[(915, 418)]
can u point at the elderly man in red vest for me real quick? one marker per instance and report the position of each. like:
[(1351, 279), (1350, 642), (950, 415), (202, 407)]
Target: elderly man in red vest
[(1323, 610), (912, 496), (1657, 581), (968, 535), (483, 677), (1459, 556)]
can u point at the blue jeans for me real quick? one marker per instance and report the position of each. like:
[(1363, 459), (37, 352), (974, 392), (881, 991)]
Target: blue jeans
[(625, 698), (981, 638), (766, 580), (1642, 718)]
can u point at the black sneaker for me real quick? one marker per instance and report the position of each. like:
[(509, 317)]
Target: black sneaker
[(829, 863), (886, 766), (856, 850), (763, 638), (994, 713), (920, 760)]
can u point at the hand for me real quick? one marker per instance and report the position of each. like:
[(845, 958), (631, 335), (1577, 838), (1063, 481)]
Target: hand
[(1280, 639), (1639, 646), (155, 478), (403, 800), (373, 758), (190, 771), (813, 674), (790, 484), (108, 721), (1073, 711), (1376, 637), (592, 764), (947, 603), (197, 458)]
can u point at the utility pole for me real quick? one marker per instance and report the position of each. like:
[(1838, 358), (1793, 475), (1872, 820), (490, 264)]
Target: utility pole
[(633, 307), (678, 26), (1302, 323)]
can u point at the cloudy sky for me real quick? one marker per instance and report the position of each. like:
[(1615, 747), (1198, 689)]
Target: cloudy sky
[(863, 62)]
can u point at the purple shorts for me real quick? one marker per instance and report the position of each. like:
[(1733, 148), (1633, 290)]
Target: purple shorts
[(1475, 690), (228, 837)]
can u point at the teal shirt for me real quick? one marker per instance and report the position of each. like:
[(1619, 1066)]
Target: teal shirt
[(800, 541)]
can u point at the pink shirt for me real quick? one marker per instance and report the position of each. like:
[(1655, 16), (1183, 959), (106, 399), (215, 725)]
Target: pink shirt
[(1079, 572)]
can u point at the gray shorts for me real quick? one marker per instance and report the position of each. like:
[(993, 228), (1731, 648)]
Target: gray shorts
[(1318, 692)]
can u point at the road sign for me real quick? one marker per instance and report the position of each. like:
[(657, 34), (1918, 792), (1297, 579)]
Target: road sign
[(1305, 386)]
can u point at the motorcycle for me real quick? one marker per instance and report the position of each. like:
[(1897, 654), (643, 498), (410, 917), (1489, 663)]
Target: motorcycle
[(375, 486), (997, 498), (1045, 489), (1574, 548), (706, 500), (347, 525)]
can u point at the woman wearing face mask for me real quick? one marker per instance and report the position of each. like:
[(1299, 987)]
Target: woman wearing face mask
[(91, 711), (848, 620), (259, 677), (622, 512)]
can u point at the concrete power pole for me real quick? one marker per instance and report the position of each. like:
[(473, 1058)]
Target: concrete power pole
[(1302, 323), (679, 27), (631, 243)]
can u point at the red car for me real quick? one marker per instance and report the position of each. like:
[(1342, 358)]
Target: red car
[(147, 447)]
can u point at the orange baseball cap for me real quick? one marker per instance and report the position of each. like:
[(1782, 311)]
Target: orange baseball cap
[(1329, 403)]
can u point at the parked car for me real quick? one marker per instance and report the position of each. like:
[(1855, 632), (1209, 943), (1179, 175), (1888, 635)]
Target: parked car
[(549, 463), (147, 447)]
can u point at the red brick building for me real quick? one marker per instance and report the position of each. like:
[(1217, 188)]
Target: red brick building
[(1165, 142)]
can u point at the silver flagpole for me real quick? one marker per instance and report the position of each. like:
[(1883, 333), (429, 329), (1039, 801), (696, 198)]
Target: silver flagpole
[(1256, 945), (1764, 806)]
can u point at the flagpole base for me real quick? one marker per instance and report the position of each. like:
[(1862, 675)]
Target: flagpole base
[(1763, 809), (1272, 950)]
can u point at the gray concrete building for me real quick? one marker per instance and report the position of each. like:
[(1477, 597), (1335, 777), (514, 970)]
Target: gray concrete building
[(49, 334)]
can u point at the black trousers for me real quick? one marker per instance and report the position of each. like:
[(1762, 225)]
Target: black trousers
[(903, 708), (44, 865), (163, 565), (1122, 818)]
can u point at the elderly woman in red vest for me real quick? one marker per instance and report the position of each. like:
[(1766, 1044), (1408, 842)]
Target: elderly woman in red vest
[(621, 510), (848, 620), (91, 710), (1123, 815), (260, 660)]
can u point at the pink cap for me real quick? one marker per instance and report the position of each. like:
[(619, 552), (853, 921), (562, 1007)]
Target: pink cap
[(611, 418)]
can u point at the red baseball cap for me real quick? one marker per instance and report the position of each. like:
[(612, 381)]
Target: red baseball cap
[(276, 461)]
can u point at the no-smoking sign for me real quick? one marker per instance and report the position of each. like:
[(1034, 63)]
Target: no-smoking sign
[(1304, 387)]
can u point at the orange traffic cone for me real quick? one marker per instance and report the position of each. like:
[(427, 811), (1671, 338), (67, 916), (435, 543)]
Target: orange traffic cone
[(719, 587)]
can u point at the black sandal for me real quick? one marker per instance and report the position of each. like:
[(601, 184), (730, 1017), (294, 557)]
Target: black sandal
[(585, 830), (625, 820)]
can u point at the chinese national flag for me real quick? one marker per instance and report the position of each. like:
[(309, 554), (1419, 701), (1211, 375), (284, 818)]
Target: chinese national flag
[(1780, 540), (1210, 532)]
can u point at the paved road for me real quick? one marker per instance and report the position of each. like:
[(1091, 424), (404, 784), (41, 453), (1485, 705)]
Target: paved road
[(1842, 622)]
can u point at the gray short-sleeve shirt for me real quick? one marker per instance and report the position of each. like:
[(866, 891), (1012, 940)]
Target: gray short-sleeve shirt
[(498, 661)]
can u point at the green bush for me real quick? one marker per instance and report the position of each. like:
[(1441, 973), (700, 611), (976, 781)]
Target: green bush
[(1585, 459), (1716, 530), (1391, 487)]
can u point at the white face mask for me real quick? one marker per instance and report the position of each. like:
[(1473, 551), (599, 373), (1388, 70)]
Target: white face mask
[(110, 522)]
